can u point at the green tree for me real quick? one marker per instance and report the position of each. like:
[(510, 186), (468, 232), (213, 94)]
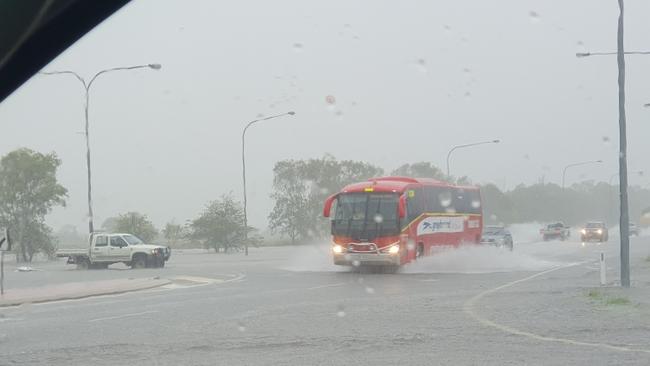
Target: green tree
[(301, 187), (137, 224), (220, 225), (425, 169), (68, 236), (173, 233), (290, 193), (110, 224), (420, 170), (497, 206), (28, 192)]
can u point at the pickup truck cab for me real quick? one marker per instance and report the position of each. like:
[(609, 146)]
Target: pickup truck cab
[(106, 249)]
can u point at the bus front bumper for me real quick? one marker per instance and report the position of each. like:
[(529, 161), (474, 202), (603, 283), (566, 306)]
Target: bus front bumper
[(366, 259)]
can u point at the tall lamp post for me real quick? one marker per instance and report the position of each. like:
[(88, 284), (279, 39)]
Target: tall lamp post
[(243, 165), (577, 164), (87, 85), (624, 221), (464, 146)]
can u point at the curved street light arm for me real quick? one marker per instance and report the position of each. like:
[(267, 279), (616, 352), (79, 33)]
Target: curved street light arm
[(576, 164), (117, 69), (467, 145), (82, 80)]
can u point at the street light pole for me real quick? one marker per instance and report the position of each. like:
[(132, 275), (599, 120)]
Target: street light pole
[(576, 164), (466, 145), (243, 164), (87, 86)]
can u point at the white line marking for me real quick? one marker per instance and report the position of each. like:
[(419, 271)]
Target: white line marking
[(468, 307), (10, 319), (123, 316), (326, 286)]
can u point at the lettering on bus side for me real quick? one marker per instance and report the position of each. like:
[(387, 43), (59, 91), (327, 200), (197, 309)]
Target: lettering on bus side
[(473, 224), (433, 225)]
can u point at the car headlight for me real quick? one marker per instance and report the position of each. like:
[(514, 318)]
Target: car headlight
[(394, 249), (337, 249), (600, 231), (583, 231)]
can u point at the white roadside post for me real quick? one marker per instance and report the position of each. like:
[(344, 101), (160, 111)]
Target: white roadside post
[(603, 269), (3, 240)]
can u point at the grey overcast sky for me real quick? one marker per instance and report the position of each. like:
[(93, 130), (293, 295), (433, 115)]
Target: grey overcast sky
[(410, 78)]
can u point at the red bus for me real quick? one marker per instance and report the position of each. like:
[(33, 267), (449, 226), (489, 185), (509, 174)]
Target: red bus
[(394, 220)]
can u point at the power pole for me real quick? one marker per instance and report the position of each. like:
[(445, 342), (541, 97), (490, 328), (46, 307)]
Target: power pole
[(622, 160)]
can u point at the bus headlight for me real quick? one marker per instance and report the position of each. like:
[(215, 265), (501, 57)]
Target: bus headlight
[(337, 249), (394, 249)]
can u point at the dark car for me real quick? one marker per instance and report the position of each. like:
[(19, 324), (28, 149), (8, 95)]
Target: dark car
[(556, 230), (595, 230), (497, 236)]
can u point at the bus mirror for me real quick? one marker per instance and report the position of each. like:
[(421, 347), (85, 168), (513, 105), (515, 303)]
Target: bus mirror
[(328, 205), (402, 206)]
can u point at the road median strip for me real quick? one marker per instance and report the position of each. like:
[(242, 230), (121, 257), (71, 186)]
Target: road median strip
[(77, 290)]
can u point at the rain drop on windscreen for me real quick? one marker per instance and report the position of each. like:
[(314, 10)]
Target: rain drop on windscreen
[(298, 47), (241, 327), (607, 141), (378, 218), (330, 101), (476, 204), (445, 199), (340, 312), (447, 29), (410, 245), (370, 290), (421, 65), (534, 17), (356, 263)]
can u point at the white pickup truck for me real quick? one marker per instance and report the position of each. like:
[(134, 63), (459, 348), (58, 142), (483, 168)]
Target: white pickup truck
[(106, 249)]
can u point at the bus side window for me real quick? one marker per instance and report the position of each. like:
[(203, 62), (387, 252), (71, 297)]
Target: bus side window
[(443, 199), (431, 198), (475, 201), (415, 205)]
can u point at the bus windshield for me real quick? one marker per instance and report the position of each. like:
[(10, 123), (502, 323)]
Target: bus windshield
[(365, 216)]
